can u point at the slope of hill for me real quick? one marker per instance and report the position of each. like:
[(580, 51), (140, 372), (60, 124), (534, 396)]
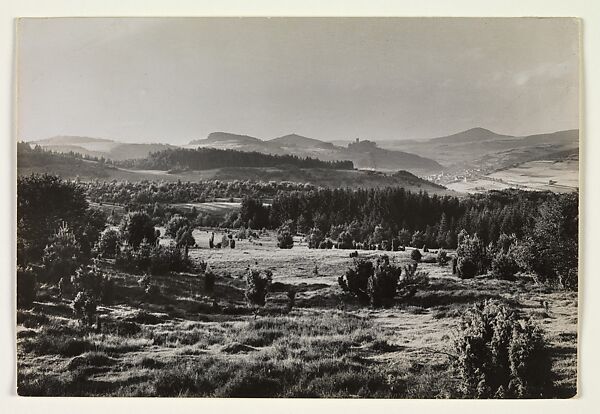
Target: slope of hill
[(482, 149), (298, 141), (38, 161), (471, 135), (366, 156), (99, 147)]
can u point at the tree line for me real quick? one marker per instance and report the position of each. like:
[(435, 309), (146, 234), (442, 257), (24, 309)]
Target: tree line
[(209, 158)]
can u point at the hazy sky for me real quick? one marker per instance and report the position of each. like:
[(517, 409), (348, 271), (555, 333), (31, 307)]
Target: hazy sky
[(173, 80)]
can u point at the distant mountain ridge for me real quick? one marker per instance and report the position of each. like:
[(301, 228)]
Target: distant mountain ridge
[(369, 156), (476, 148), (482, 149), (471, 135), (99, 147), (298, 141)]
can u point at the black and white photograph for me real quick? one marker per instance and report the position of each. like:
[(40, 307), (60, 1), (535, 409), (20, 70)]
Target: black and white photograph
[(298, 207)]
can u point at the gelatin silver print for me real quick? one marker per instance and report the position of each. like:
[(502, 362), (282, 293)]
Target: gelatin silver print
[(307, 207)]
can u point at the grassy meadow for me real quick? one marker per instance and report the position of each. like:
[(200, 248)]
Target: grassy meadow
[(187, 341)]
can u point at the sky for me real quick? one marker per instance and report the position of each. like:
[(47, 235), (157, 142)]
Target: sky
[(178, 79)]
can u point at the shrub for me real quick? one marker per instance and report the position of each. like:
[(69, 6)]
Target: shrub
[(184, 237), (176, 223), (442, 257), (165, 259), (26, 287), (466, 268), (241, 234), (60, 256), (345, 240), (500, 356), (411, 281), (285, 240), (504, 266), (382, 284), (94, 283), (416, 255), (355, 281), (418, 238), (378, 284), (314, 238), (157, 260), (326, 244), (108, 245), (85, 307), (473, 254), (257, 286), (137, 226)]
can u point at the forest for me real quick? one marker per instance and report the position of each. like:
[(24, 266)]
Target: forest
[(209, 158)]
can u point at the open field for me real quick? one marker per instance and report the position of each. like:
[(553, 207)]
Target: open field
[(543, 175), (189, 342)]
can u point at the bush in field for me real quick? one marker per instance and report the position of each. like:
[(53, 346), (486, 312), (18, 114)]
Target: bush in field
[(472, 253), (382, 284), (345, 240), (411, 281), (60, 258), (167, 259), (108, 245), (26, 287), (504, 266), (500, 356), (241, 234), (157, 260), (184, 237), (176, 223), (257, 286), (466, 268), (418, 239), (356, 279), (326, 244), (442, 257), (404, 237), (94, 283), (137, 226), (378, 284), (285, 239), (314, 238), (85, 307), (416, 255)]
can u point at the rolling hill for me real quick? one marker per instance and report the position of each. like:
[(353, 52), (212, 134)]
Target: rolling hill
[(67, 166), (364, 154), (99, 147), (482, 149)]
